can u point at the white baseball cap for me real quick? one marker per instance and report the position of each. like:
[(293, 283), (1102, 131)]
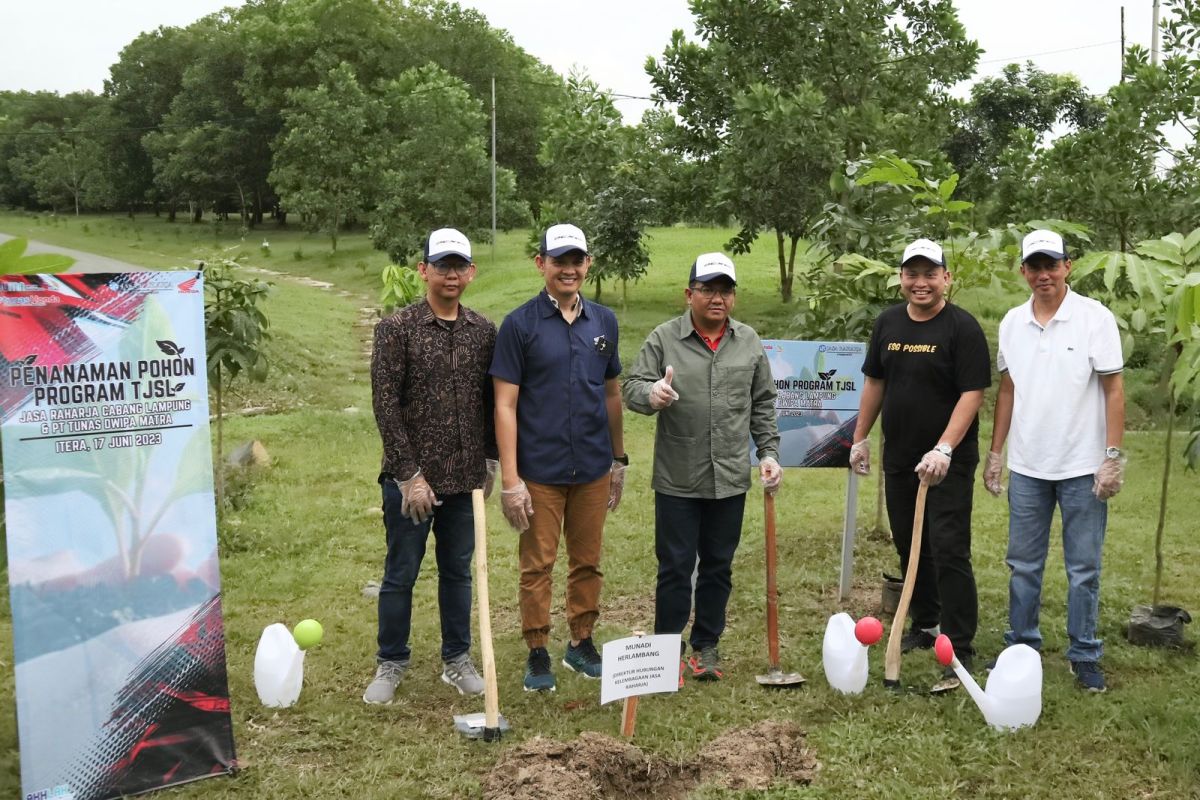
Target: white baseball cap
[(446, 242), (711, 266), (561, 239), (1043, 241), (924, 248)]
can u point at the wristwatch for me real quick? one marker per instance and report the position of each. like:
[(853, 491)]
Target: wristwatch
[(622, 459), (1112, 452), (945, 449)]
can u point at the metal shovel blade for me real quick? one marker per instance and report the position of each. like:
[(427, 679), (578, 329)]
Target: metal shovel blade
[(474, 726), (778, 678)]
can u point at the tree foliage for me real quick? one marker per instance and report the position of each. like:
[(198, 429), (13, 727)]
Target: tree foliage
[(874, 73), (324, 166)]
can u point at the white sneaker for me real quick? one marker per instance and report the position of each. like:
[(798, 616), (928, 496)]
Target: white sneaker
[(383, 688), (460, 673)]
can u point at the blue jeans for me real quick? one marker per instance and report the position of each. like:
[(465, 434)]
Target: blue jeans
[(1031, 504), (453, 525)]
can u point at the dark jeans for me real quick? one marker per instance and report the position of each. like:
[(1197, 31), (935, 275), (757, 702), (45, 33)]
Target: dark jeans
[(684, 528), (945, 590), (453, 525)]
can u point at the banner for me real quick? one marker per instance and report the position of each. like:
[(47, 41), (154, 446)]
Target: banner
[(819, 385), (118, 639)]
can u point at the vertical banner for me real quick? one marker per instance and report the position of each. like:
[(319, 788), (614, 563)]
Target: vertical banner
[(118, 640), (819, 385)]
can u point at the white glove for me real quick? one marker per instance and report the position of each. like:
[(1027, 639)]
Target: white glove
[(860, 457), (933, 467), (616, 484), (992, 470), (661, 393), (517, 506), (417, 498), (771, 474), (1109, 478), (489, 480)]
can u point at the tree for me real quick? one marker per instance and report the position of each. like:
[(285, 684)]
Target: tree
[(618, 220), (1153, 292), (235, 328), (66, 172), (583, 144), (879, 71), (323, 165), (434, 165), (1013, 111), (778, 144)]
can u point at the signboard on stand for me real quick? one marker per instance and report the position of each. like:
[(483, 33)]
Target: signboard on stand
[(118, 638), (819, 385)]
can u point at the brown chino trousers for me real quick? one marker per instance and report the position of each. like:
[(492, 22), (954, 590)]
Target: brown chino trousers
[(577, 514)]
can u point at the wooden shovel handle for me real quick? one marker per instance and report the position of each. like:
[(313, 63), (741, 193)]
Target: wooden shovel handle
[(891, 673), (491, 699), (772, 583)]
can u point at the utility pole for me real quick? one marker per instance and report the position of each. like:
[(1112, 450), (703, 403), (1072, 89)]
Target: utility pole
[(1154, 37), (493, 170), (1122, 44)]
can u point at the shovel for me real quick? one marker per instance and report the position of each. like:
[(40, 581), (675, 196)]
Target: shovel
[(490, 724), (775, 676), (891, 672)]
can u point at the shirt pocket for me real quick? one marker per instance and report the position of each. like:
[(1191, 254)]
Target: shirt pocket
[(734, 387), (675, 460), (597, 365)]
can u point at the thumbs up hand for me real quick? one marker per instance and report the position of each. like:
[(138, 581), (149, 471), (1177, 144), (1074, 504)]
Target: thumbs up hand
[(661, 393)]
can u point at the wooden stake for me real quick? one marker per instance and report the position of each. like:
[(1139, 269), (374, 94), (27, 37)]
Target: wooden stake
[(491, 699)]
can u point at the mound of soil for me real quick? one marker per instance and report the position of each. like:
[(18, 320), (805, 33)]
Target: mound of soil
[(598, 766), (756, 757), (594, 766)]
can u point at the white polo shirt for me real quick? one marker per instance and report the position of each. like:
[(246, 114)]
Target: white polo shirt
[(1058, 420)]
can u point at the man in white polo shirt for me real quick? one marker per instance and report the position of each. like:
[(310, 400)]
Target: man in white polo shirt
[(1061, 406)]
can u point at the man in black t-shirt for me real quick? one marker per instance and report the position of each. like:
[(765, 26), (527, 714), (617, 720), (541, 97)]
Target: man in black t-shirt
[(927, 366)]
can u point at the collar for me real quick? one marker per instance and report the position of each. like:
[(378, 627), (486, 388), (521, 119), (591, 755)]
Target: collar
[(425, 315), (1063, 313), (553, 307), (685, 328)]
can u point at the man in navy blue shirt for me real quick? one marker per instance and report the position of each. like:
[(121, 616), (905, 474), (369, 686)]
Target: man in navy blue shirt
[(562, 453)]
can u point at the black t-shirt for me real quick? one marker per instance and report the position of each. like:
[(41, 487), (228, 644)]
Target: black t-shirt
[(926, 367)]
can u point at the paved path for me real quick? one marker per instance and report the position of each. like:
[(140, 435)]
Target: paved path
[(84, 262)]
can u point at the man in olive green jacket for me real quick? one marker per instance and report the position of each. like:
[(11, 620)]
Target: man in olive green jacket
[(707, 378)]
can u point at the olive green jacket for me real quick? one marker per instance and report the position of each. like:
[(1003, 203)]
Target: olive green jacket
[(701, 447)]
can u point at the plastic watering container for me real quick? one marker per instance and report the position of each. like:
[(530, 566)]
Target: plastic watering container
[(278, 667), (844, 658), (1014, 689)]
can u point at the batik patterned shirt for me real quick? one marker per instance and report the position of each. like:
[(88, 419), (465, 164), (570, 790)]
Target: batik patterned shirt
[(433, 397)]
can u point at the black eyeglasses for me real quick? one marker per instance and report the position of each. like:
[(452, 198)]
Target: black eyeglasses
[(444, 267), (708, 291)]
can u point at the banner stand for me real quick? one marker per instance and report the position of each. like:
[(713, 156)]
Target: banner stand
[(849, 528)]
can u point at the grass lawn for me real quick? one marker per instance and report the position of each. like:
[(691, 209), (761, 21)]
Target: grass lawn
[(306, 536)]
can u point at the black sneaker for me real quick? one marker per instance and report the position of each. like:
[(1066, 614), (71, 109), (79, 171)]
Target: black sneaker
[(583, 658), (1089, 676), (538, 677), (916, 639)]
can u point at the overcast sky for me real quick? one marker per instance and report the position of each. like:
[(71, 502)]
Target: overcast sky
[(68, 45)]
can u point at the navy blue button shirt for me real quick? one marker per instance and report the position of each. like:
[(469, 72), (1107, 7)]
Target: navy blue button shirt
[(562, 420)]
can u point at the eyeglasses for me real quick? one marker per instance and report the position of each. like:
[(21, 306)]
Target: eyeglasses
[(444, 267), (707, 292)]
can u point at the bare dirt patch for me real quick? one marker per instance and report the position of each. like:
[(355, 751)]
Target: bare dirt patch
[(597, 766)]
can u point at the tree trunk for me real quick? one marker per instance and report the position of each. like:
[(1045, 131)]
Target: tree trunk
[(1162, 505), (785, 280)]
